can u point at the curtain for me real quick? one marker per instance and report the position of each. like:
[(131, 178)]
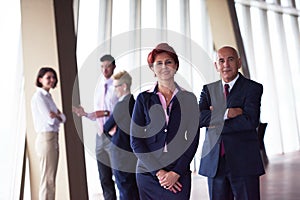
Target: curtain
[(270, 34), (12, 142)]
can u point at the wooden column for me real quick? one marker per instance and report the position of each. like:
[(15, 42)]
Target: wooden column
[(40, 49), (66, 46), (48, 38)]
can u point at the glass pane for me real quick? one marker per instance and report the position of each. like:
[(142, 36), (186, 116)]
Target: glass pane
[(173, 15), (143, 75), (87, 35), (13, 122), (120, 17), (88, 39), (278, 57), (148, 13)]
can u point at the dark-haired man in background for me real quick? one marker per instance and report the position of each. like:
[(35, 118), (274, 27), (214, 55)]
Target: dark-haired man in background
[(104, 102)]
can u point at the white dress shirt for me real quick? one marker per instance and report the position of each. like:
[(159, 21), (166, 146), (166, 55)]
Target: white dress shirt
[(104, 101), (41, 105), (231, 84)]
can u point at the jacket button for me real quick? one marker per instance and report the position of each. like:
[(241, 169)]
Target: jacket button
[(165, 130)]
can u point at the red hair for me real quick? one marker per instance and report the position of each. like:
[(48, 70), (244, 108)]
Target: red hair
[(162, 48)]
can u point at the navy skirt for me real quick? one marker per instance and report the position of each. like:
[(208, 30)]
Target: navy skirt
[(150, 189)]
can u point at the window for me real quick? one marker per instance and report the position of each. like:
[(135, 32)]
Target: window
[(274, 62), (129, 30), (12, 101)]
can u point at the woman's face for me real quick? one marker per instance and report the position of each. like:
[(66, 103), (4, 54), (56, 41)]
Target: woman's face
[(164, 67), (48, 81), (119, 88)]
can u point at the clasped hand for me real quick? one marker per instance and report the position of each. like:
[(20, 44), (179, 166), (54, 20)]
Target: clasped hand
[(55, 115), (232, 112), (169, 180)]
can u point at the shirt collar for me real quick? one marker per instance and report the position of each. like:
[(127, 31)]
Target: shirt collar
[(43, 91), (231, 83), (123, 97), (154, 89), (108, 81)]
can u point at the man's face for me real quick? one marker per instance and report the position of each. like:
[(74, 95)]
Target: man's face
[(107, 68), (227, 64)]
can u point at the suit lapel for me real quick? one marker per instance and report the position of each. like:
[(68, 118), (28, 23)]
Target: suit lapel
[(236, 87), (216, 94)]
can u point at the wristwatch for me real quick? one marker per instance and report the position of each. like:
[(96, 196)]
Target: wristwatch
[(105, 113)]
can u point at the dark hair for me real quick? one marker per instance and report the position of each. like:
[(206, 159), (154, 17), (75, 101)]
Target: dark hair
[(162, 48), (108, 57), (42, 72)]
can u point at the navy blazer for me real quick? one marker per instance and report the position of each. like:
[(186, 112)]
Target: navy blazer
[(122, 157), (238, 134), (150, 132)]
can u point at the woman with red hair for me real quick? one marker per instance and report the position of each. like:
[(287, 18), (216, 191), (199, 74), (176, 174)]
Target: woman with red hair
[(164, 131)]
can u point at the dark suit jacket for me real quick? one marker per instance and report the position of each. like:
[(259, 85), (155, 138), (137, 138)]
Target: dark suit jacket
[(122, 157), (150, 133), (238, 134)]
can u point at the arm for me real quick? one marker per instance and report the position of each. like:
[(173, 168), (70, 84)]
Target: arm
[(249, 117), (187, 142), (80, 112), (184, 161), (204, 108), (138, 137), (59, 115), (211, 106), (47, 114), (189, 119), (109, 125), (234, 112), (169, 180)]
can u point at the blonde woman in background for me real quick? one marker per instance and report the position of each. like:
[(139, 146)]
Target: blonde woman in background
[(123, 161)]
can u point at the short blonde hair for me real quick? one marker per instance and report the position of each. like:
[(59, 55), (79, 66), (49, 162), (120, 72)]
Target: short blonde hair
[(123, 77)]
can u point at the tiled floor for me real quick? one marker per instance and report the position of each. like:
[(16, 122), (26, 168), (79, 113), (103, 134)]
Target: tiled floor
[(281, 181)]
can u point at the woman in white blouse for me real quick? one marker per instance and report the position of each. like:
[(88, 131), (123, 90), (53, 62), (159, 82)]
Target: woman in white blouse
[(46, 119)]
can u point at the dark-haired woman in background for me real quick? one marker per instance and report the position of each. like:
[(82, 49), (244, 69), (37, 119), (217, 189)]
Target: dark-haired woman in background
[(46, 119), (164, 131)]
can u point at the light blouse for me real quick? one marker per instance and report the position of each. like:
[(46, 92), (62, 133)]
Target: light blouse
[(41, 105)]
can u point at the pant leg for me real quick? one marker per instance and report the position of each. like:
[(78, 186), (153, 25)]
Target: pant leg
[(47, 150), (225, 187), (127, 185), (104, 167), (219, 186), (245, 188)]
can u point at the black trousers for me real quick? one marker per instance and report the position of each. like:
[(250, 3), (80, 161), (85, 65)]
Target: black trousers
[(127, 185), (104, 169), (224, 186)]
